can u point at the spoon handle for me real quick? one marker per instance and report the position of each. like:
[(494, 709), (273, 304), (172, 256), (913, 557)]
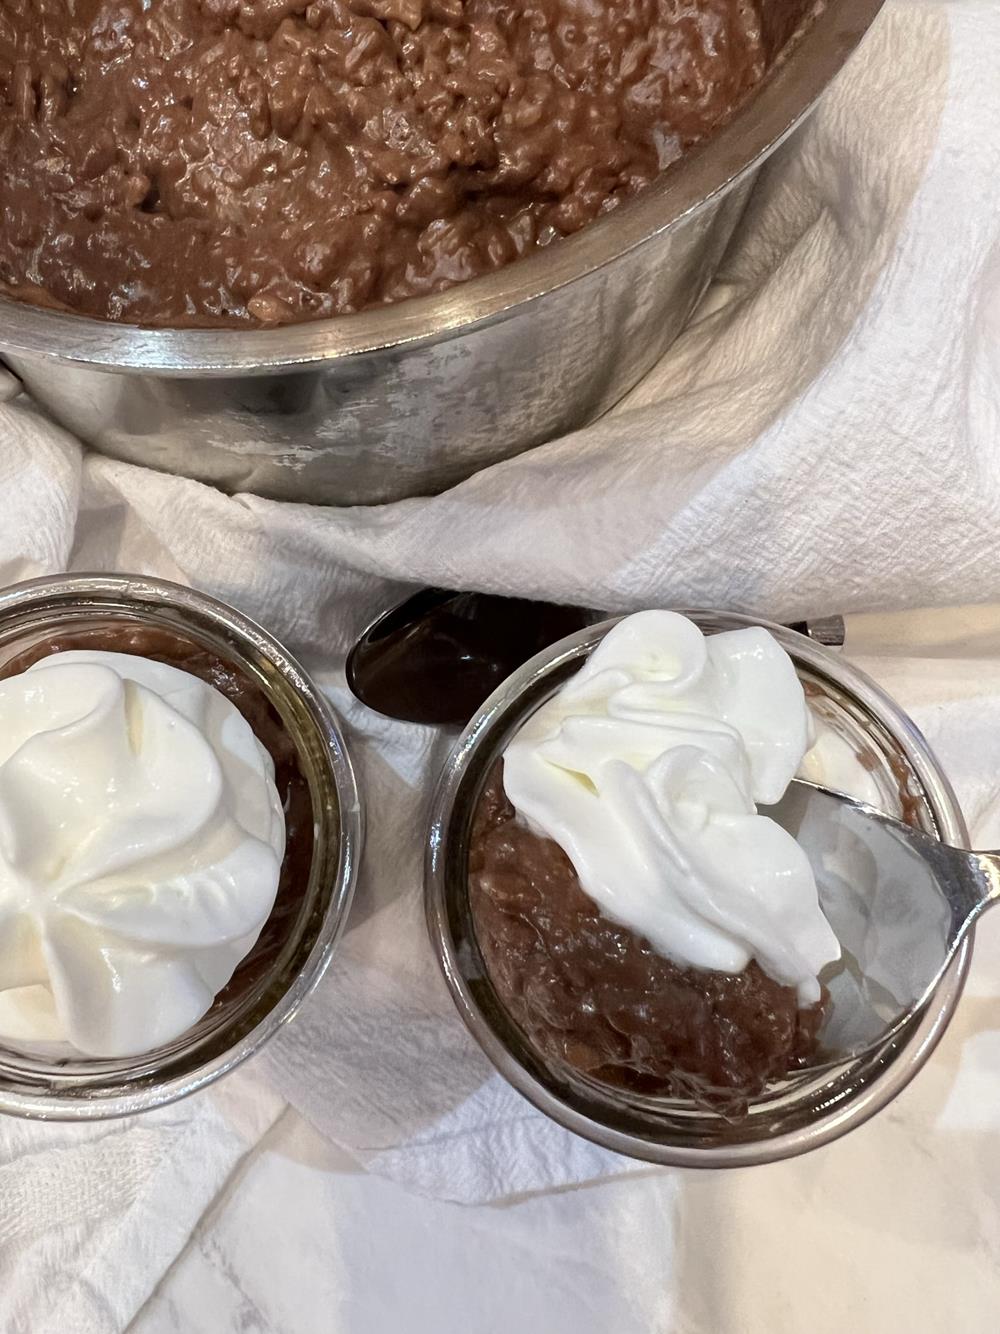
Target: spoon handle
[(989, 875), (970, 893)]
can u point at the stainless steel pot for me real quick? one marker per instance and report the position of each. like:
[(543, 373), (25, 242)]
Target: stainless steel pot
[(408, 399)]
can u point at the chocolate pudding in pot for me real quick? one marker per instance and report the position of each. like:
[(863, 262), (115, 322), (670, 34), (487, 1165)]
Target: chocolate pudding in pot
[(241, 162)]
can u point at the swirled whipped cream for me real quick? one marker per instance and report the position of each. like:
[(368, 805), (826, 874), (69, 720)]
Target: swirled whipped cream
[(141, 840), (647, 768)]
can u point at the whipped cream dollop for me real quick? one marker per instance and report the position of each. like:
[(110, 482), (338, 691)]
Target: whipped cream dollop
[(141, 841), (647, 768)]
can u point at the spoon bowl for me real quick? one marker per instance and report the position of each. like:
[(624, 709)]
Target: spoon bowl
[(900, 902), (435, 657)]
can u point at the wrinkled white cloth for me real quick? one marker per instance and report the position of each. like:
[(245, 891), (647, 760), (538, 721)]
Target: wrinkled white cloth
[(821, 439)]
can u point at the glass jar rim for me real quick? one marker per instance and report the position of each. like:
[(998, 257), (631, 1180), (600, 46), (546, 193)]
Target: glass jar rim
[(445, 881), (338, 824)]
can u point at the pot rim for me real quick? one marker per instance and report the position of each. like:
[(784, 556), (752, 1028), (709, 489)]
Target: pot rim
[(801, 73)]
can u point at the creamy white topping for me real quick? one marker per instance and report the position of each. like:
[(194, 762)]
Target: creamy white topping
[(647, 768), (141, 840)]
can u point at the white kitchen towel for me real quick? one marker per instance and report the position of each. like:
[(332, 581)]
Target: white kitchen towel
[(92, 1216), (822, 439)]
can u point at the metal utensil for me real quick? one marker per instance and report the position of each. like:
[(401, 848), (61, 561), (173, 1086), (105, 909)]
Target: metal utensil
[(900, 903), (436, 656)]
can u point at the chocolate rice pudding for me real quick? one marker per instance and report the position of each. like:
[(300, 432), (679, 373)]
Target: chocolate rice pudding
[(590, 993), (237, 162)]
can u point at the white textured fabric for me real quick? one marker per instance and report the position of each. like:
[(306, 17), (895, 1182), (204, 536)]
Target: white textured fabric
[(94, 1215), (822, 439)]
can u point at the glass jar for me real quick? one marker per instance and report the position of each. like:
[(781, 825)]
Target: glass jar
[(297, 942), (808, 1109)]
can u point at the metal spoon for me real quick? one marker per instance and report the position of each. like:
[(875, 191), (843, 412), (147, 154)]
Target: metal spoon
[(438, 655), (900, 903)]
